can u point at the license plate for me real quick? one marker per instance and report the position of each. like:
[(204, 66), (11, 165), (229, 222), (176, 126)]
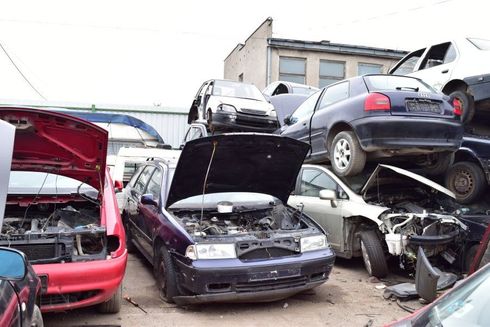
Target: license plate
[(274, 274), (423, 106)]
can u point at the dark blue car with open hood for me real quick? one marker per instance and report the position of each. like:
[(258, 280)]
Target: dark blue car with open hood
[(216, 225)]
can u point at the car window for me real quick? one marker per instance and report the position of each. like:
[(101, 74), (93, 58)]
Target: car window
[(306, 108), (396, 83), (334, 94), (408, 64), (143, 178), (154, 185), (193, 133), (480, 44), (313, 181), (130, 168), (280, 89), (439, 54), (135, 176)]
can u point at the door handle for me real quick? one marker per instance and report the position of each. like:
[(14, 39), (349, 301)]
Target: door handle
[(304, 124), (445, 71)]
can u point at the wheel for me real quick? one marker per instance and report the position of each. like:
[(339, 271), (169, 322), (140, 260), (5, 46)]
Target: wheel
[(37, 318), (166, 276), (467, 181), (441, 163), (346, 155), (129, 241), (467, 105), (113, 305), (373, 254)]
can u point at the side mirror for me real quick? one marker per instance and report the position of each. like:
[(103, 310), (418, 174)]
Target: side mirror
[(14, 264), (329, 195), (148, 199), (287, 120)]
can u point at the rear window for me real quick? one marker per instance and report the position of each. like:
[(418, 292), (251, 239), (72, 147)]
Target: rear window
[(395, 83), (481, 44)]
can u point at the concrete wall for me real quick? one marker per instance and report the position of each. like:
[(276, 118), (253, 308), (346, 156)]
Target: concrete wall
[(250, 58)]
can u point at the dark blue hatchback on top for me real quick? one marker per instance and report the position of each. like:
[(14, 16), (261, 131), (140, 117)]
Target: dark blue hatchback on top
[(377, 116)]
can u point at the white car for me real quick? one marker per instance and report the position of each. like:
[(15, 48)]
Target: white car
[(229, 105), (459, 68), (393, 213)]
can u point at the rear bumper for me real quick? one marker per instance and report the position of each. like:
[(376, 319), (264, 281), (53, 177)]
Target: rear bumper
[(479, 86), (79, 284), (258, 281), (417, 134), (245, 122)]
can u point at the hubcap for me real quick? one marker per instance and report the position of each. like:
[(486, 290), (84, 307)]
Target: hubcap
[(342, 154), (365, 257)]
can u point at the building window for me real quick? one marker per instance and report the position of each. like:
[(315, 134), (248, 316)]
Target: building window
[(331, 72), (363, 68), (292, 69)]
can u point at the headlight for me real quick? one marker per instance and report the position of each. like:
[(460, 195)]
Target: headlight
[(273, 113), (227, 108), (211, 251), (312, 243)]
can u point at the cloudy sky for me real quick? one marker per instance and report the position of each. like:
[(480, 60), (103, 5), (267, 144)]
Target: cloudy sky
[(159, 52)]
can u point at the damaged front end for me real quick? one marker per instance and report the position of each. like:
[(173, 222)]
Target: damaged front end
[(55, 233)]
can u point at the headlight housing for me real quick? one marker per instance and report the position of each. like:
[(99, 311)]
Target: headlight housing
[(226, 108), (273, 113), (211, 251), (312, 243)]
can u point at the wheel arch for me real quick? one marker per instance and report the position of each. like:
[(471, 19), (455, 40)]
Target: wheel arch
[(453, 85), (356, 224), (337, 128)]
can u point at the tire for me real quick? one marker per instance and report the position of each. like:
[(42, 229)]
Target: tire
[(113, 305), (166, 276), (441, 164), (467, 181), (37, 318), (467, 105), (346, 155), (373, 254), (129, 241)]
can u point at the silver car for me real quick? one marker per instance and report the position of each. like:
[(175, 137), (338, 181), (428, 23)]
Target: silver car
[(394, 213)]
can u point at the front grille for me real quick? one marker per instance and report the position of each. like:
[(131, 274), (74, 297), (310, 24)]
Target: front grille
[(66, 298), (267, 253), (268, 285), (423, 106), (39, 251), (253, 112)]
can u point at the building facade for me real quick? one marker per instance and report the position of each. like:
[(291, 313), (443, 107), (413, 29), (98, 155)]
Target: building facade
[(263, 59)]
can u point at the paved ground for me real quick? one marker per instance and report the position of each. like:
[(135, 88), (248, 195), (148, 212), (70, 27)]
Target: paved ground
[(347, 299)]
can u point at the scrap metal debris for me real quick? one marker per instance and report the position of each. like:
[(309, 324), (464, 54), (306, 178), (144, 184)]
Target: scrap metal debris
[(127, 298)]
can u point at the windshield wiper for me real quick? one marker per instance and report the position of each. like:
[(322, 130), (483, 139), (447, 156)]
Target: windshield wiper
[(399, 88)]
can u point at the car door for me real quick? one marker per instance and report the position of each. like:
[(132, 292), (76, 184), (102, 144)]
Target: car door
[(437, 65), (135, 221), (298, 126), (9, 305), (324, 115), (310, 182), (409, 63), (148, 213)]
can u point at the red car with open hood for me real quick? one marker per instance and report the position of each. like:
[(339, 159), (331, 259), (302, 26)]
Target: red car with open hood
[(62, 211)]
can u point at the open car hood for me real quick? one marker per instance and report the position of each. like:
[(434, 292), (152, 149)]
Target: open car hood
[(245, 162), (57, 143), (377, 175)]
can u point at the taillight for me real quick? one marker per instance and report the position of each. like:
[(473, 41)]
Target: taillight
[(118, 186), (457, 107), (377, 101)]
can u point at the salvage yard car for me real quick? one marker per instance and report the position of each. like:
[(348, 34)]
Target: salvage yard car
[(393, 213), (377, 116), (233, 106), (216, 226), (62, 211), (458, 68)]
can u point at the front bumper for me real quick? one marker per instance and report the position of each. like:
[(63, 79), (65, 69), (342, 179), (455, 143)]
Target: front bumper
[(74, 285), (411, 134), (245, 122), (479, 87), (233, 280)]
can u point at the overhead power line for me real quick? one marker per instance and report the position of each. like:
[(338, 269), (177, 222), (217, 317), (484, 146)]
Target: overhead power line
[(20, 72)]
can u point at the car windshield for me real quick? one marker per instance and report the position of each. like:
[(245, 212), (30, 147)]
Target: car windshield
[(481, 44), (466, 306), (395, 83), (244, 200), (28, 182), (237, 90)]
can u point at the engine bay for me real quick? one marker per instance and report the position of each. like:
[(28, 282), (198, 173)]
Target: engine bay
[(48, 232)]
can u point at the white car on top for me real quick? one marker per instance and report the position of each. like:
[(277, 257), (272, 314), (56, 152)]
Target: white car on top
[(459, 68)]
